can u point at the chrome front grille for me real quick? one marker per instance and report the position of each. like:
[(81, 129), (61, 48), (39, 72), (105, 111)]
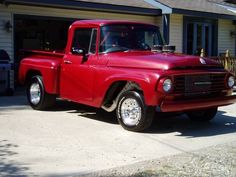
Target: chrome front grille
[(199, 83)]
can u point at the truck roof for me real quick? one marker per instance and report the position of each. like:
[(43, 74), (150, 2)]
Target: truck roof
[(105, 22)]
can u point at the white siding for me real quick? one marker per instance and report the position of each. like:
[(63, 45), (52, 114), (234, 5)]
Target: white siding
[(176, 31), (80, 14), (6, 39), (159, 23), (225, 41)]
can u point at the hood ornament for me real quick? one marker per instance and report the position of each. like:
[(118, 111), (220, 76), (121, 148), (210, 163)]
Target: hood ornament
[(202, 61)]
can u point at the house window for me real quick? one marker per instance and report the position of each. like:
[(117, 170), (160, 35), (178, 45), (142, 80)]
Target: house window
[(200, 34)]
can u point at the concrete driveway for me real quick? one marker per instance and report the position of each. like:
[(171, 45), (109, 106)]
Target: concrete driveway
[(71, 140)]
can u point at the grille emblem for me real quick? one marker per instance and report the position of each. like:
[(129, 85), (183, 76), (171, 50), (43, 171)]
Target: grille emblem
[(202, 61)]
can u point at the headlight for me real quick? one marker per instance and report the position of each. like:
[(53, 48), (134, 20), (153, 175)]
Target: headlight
[(167, 85), (231, 81)]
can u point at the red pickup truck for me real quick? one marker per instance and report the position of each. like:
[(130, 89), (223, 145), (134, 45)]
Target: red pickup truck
[(125, 66)]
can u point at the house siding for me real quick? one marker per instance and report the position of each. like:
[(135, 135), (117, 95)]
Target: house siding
[(6, 37), (78, 14), (225, 40), (64, 13), (159, 23), (176, 31)]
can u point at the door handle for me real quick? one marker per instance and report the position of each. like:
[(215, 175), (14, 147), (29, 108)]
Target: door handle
[(67, 62)]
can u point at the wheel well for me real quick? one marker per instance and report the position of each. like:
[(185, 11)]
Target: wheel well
[(116, 88), (30, 74)]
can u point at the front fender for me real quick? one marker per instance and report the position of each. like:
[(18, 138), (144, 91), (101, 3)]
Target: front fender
[(147, 82)]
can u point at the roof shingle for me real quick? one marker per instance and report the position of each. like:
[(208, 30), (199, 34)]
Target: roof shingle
[(211, 6)]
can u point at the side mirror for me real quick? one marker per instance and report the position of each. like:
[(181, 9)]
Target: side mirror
[(77, 51)]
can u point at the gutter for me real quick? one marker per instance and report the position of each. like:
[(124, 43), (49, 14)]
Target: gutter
[(231, 9), (171, 10), (203, 14)]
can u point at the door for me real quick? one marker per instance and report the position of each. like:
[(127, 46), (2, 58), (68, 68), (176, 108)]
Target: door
[(199, 36), (77, 71), (38, 33)]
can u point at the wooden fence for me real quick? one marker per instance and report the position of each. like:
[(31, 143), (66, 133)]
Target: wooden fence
[(229, 62)]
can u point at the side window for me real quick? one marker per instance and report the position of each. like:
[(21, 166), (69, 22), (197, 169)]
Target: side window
[(85, 38)]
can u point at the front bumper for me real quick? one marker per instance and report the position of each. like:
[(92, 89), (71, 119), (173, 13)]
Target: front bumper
[(186, 105)]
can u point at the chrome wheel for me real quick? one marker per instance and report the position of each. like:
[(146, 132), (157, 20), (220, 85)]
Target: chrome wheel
[(35, 93), (38, 98), (131, 112)]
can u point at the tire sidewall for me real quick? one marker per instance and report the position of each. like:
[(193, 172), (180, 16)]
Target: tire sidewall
[(204, 116), (139, 98)]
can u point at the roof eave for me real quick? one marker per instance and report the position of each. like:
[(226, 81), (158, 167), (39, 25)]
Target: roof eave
[(165, 9), (86, 6), (203, 14)]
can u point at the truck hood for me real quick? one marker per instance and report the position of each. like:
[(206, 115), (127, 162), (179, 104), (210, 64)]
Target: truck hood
[(163, 61)]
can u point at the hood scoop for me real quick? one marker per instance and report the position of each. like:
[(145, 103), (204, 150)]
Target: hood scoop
[(164, 48)]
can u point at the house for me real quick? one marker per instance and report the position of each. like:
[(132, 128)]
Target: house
[(195, 24), (190, 25)]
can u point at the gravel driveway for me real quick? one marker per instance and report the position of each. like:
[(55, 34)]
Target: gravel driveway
[(215, 161)]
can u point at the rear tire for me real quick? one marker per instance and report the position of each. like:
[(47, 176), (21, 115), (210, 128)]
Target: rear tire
[(38, 98), (132, 113), (202, 115)]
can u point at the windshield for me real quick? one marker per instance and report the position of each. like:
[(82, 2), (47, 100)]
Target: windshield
[(123, 37)]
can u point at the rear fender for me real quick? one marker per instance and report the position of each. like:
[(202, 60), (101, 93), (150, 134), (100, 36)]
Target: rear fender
[(49, 70), (51, 79)]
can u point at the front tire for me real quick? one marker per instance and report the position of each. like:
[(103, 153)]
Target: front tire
[(38, 98), (202, 115), (132, 113)]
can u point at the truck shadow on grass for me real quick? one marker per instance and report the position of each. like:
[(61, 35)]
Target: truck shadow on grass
[(10, 167)]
